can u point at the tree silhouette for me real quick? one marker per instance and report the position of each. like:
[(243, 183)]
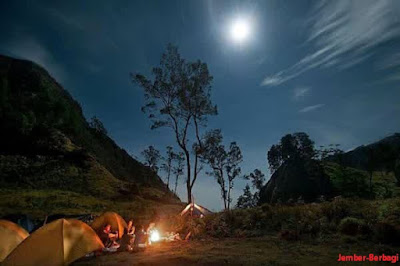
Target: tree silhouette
[(332, 150), (257, 179), (296, 146), (246, 200), (151, 158), (232, 168), (167, 165), (178, 168), (224, 163), (215, 156), (372, 162), (179, 97), (98, 126)]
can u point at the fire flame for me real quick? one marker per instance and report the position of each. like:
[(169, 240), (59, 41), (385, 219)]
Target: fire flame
[(154, 236)]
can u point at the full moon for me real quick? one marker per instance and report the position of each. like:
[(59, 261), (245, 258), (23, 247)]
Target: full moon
[(240, 30)]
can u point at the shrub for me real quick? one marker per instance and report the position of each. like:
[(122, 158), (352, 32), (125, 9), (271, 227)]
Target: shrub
[(337, 209), (351, 226), (218, 226), (387, 233), (354, 219), (289, 235)]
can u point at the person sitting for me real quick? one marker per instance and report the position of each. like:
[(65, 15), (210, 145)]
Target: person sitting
[(140, 237), (108, 237), (126, 242), (131, 228)]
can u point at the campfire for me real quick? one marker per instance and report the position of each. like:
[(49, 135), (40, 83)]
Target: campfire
[(154, 235)]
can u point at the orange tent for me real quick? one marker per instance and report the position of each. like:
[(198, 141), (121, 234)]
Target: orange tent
[(58, 243), (11, 235), (115, 220)]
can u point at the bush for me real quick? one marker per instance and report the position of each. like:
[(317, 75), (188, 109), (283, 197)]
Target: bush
[(387, 233), (337, 209), (289, 235), (354, 219), (217, 226), (351, 226)]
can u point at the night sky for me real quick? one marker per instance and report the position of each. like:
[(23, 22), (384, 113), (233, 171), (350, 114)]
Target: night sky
[(330, 69)]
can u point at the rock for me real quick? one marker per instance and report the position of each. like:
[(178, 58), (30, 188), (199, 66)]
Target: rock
[(304, 179)]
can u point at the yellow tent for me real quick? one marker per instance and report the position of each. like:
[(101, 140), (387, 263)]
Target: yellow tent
[(11, 235), (117, 223), (57, 243)]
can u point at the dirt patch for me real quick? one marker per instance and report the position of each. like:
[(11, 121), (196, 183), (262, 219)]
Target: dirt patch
[(247, 251)]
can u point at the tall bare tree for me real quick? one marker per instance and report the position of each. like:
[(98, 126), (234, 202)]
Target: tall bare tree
[(215, 156), (257, 179), (168, 161), (224, 163), (179, 97), (151, 158), (178, 168), (232, 167)]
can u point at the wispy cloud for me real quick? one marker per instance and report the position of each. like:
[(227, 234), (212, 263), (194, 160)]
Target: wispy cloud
[(343, 33), (68, 20), (29, 48), (311, 108), (300, 92)]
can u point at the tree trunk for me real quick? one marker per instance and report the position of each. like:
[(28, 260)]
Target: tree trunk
[(224, 196), (189, 192), (176, 183), (188, 180), (229, 196), (223, 190), (225, 207), (169, 173)]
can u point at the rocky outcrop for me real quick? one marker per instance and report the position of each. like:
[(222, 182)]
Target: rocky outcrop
[(302, 180)]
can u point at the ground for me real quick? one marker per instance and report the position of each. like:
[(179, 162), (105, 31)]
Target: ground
[(268, 250)]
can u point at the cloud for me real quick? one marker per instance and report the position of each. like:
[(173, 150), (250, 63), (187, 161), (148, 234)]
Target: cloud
[(30, 49), (69, 21), (343, 34), (311, 108), (300, 92)]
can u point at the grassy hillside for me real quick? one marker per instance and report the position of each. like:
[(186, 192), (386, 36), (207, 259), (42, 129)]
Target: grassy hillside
[(47, 146)]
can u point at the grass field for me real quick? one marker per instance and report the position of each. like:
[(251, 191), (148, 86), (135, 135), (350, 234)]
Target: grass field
[(268, 250)]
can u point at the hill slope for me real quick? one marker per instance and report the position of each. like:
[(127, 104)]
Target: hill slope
[(47, 144), (383, 155), (346, 174)]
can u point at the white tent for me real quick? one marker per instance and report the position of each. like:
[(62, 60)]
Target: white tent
[(193, 209)]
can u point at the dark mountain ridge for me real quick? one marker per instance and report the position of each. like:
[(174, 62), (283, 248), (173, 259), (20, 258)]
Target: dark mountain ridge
[(47, 143), (381, 155)]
